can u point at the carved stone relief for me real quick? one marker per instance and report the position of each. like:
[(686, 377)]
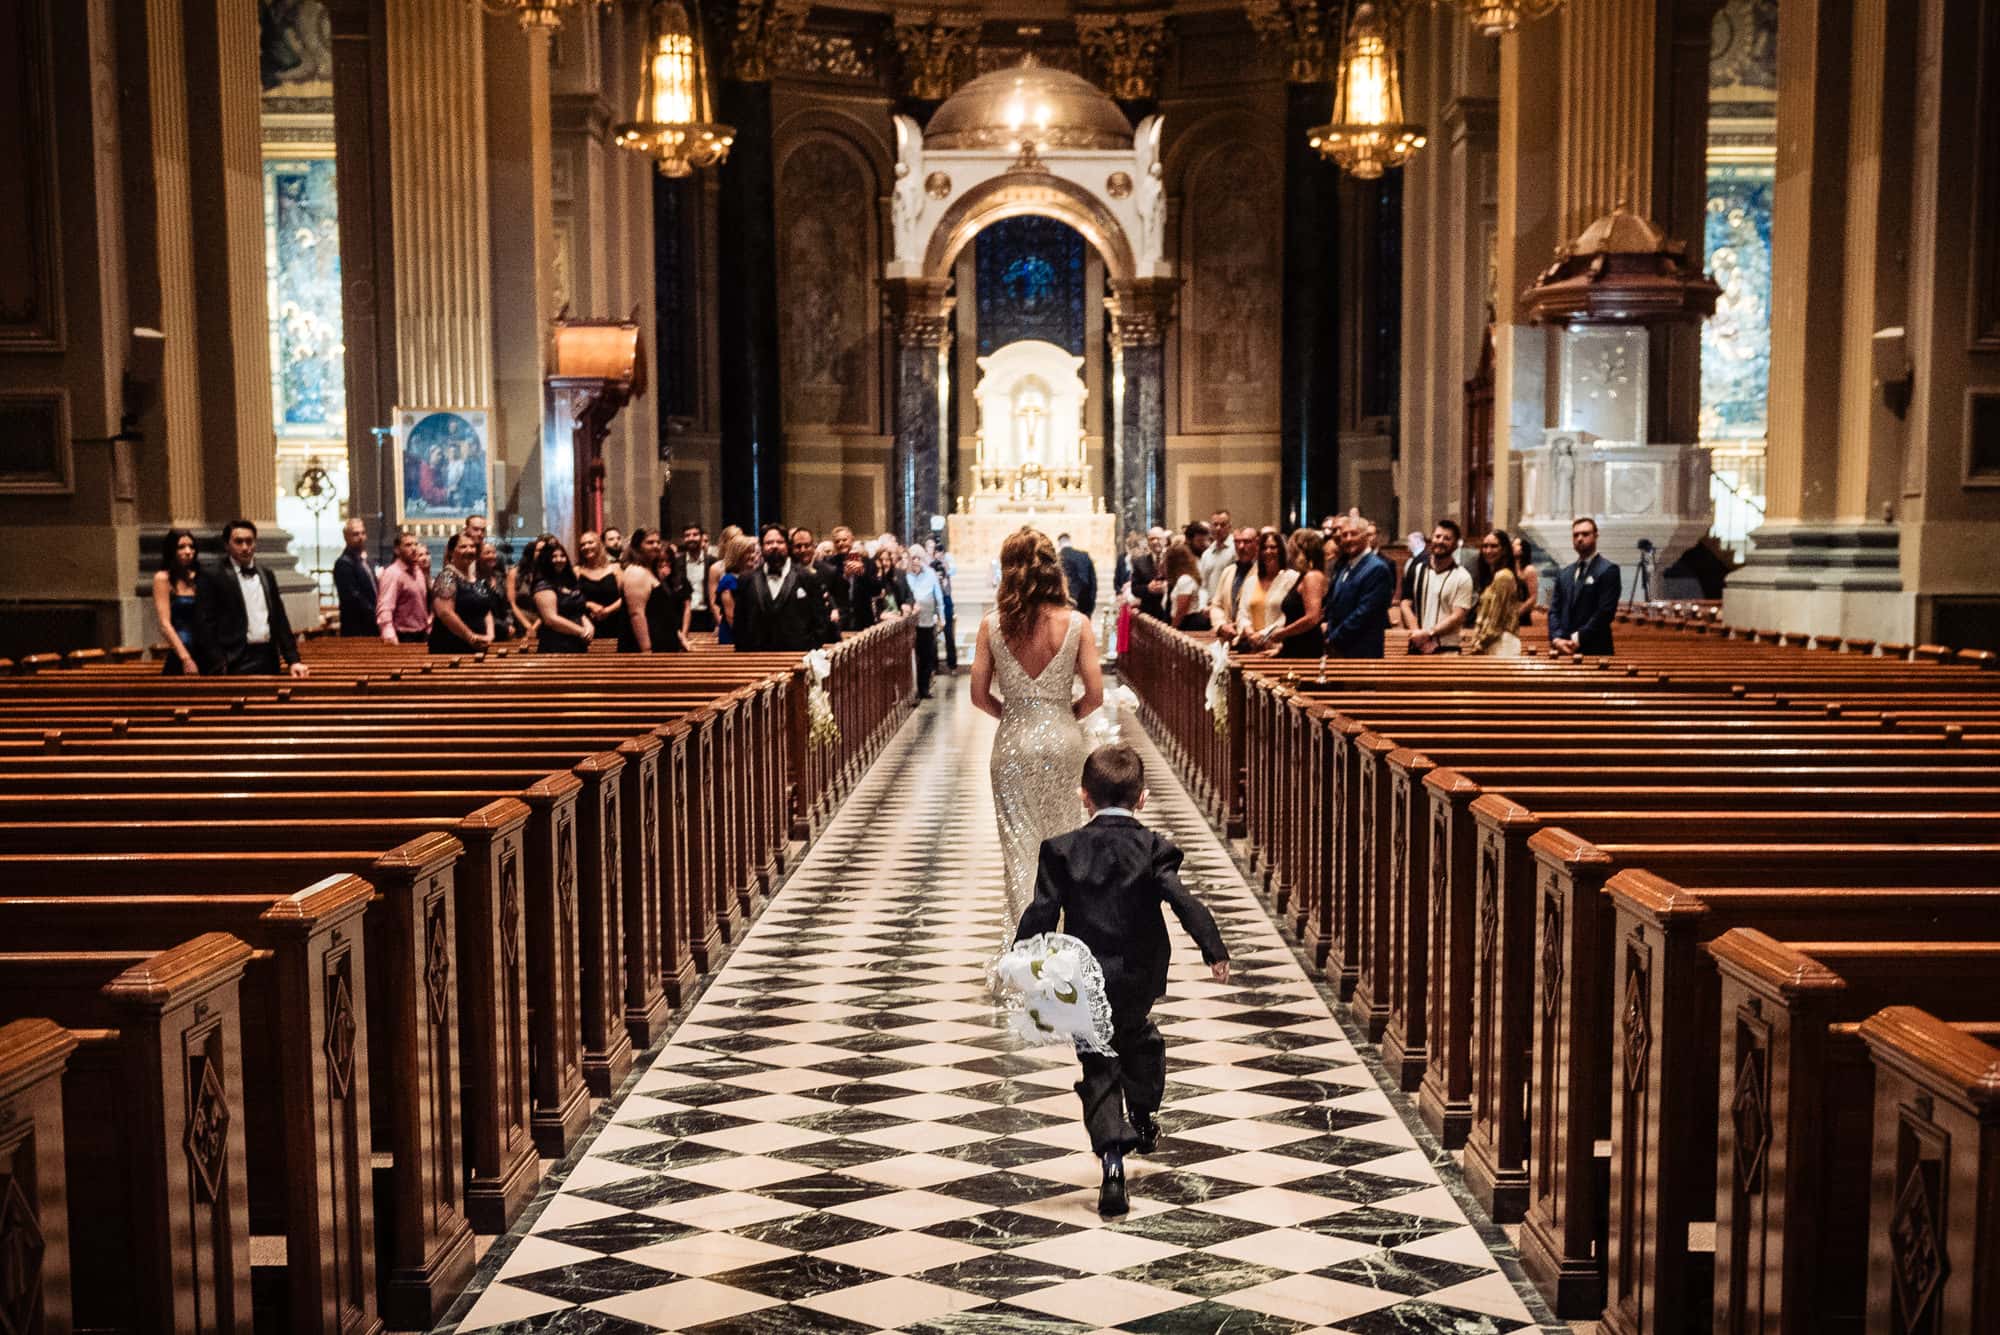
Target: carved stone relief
[(826, 209), (1231, 256)]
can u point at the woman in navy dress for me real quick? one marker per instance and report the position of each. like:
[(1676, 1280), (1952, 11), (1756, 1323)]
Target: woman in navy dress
[(174, 586), (565, 627)]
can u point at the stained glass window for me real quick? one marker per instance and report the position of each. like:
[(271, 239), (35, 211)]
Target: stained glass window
[(1030, 276)]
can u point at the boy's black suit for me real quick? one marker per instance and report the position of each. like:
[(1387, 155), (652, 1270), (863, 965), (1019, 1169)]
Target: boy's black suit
[(1106, 883)]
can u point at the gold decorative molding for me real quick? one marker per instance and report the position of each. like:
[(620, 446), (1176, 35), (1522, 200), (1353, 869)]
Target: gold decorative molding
[(766, 30), (1124, 51), (936, 52), (1305, 32), (919, 310), (1141, 310)]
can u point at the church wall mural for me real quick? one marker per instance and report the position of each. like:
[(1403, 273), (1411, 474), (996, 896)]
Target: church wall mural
[(1230, 248), (827, 262)]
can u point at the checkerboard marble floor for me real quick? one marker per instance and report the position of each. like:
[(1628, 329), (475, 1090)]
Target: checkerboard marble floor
[(838, 1137)]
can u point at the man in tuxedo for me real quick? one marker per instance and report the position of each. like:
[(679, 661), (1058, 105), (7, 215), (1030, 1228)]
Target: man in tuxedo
[(1149, 579), (354, 582), (240, 622), (780, 606), (1357, 597), (1106, 883), (1081, 573), (1586, 597)]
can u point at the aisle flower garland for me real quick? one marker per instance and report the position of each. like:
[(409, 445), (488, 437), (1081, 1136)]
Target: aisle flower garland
[(1217, 695), (823, 727)]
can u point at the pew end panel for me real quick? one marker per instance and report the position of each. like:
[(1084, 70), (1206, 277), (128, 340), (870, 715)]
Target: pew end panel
[(34, 1055), (1456, 955), (1507, 1006)]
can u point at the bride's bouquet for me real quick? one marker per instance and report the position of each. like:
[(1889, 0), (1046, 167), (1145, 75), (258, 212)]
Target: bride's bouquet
[(1053, 991)]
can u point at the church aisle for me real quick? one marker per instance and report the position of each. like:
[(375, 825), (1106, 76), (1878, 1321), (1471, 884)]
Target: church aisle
[(838, 1139)]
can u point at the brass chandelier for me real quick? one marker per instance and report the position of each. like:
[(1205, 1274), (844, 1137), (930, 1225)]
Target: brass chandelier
[(1367, 135), (674, 123), (542, 14), (1497, 18)]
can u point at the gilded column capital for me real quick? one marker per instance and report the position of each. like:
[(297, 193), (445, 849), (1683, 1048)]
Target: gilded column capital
[(1141, 311), (935, 51), (1305, 32), (919, 310), (1125, 50), (765, 30)]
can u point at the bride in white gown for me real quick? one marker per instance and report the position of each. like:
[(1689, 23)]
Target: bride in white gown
[(1033, 646)]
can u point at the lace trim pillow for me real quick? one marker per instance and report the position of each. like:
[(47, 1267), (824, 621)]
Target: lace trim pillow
[(1053, 991)]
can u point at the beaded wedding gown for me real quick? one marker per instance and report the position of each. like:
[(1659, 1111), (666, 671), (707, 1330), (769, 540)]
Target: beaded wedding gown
[(1038, 757)]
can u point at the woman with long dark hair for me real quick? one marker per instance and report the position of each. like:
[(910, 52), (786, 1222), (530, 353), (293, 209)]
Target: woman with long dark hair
[(1035, 645), (1261, 606), (1299, 633), (461, 602), (521, 584), (175, 584), (1499, 611), (1187, 599), (565, 627), (655, 590), (1530, 576)]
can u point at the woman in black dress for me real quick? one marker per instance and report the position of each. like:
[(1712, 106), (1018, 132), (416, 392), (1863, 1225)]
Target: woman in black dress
[(1300, 635), (565, 627), (655, 588), (461, 602), (493, 572), (597, 575)]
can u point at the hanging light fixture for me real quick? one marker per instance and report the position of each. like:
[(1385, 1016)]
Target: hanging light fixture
[(1497, 18), (1367, 134), (673, 123), (543, 14)]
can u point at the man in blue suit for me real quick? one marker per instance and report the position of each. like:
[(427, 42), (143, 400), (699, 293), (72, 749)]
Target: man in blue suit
[(1586, 596), (1357, 596)]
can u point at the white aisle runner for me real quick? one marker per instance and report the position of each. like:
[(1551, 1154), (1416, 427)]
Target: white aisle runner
[(838, 1137)]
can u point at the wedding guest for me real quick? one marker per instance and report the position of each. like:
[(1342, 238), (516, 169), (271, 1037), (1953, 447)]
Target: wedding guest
[(782, 607), (240, 623), (892, 591), (403, 595), (521, 586), (1531, 579), (1129, 552), (1104, 884), (1080, 573), (944, 568), (566, 628), (176, 584), (927, 602), (1227, 594), (1149, 576), (694, 562), (1260, 604), (805, 556), (476, 526), (1358, 595), (831, 567), (354, 582), (655, 589), (597, 576), (717, 570), (1406, 583), (1221, 554), (461, 602), (1586, 596), (614, 545), (1499, 607), (1187, 598), (1442, 594), (1301, 632), (495, 575), (738, 559)]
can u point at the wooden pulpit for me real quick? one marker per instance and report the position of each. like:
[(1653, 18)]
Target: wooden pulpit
[(596, 367)]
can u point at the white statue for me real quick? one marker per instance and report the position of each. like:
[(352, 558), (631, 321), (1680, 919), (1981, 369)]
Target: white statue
[(907, 207), (1149, 190)]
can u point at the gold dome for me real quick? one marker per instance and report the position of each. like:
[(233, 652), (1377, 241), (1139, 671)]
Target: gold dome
[(1053, 108)]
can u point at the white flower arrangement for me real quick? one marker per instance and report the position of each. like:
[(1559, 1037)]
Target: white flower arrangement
[(1053, 991), (1216, 695), (822, 727)]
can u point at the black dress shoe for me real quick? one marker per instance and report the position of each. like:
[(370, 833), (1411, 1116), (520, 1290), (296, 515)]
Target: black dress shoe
[(1148, 1127), (1111, 1196)]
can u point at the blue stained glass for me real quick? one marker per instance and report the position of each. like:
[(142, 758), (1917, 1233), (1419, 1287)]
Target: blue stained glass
[(1736, 341), (1030, 284), (302, 237)]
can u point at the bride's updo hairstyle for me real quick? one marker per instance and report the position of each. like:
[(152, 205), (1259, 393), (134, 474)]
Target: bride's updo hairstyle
[(1031, 578)]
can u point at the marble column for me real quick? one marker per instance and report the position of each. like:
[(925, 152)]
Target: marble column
[(920, 309), (752, 441), (1140, 311), (521, 271), (240, 458), (1309, 423)]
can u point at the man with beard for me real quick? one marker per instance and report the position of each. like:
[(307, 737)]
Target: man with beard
[(781, 606), (695, 561)]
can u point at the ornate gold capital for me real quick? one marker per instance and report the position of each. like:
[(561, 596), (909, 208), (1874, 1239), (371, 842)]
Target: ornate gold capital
[(1305, 32), (919, 310), (1141, 310), (1124, 51), (765, 30), (936, 51)]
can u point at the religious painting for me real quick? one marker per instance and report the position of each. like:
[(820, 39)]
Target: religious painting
[(295, 41), (1736, 342), (1229, 329), (826, 207), (302, 270), (443, 464)]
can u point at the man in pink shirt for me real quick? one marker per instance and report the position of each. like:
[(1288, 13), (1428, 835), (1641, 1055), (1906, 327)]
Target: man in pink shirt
[(402, 596)]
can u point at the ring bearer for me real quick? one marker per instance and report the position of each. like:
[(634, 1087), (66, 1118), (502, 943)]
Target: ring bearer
[(1106, 882)]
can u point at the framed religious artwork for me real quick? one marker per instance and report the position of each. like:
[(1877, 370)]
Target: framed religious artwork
[(443, 464)]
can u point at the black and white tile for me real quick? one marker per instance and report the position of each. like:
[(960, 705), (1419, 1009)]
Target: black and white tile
[(840, 1138)]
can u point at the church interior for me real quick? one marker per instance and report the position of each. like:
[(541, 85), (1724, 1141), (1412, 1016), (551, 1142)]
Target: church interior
[(368, 966)]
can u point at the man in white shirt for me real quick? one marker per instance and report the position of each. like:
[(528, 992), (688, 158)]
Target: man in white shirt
[(1219, 557), (240, 621), (1441, 595), (695, 561)]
